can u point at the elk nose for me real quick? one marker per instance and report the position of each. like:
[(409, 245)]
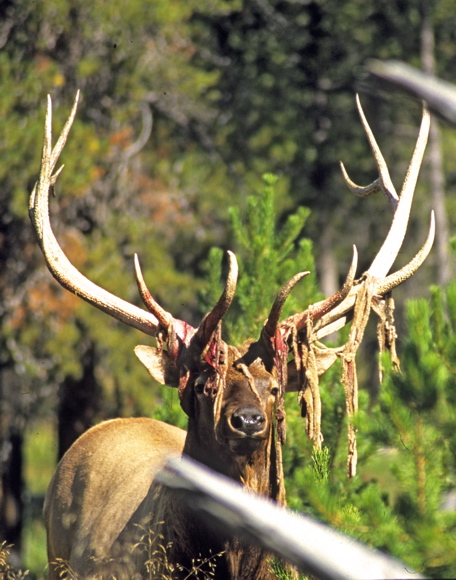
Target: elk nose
[(249, 420)]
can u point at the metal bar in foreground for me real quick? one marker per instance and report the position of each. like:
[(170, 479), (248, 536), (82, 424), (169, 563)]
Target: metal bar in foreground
[(310, 545), (440, 95)]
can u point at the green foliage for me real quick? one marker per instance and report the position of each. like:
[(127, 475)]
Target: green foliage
[(268, 256), (405, 438), (236, 88), (34, 556), (126, 58), (418, 418), (268, 251), (321, 463), (39, 456), (293, 76), (423, 376), (281, 572), (169, 409)]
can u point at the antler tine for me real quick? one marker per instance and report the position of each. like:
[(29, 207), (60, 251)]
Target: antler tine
[(318, 310), (383, 182), (366, 294), (50, 156), (336, 319), (273, 319), (391, 246), (65, 131), (59, 265), (393, 241), (390, 282), (211, 320), (164, 317)]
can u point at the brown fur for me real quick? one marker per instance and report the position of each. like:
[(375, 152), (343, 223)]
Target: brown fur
[(103, 497)]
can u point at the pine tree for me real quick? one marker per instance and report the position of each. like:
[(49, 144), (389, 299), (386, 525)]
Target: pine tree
[(269, 253), (406, 439)]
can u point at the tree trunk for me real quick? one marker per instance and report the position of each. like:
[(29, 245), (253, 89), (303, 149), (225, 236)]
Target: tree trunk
[(79, 404), (11, 463), (327, 265), (436, 173)]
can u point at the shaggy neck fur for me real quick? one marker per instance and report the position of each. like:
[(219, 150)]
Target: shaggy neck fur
[(261, 473)]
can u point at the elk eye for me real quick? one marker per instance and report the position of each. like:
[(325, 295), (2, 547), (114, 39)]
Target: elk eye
[(199, 387), (274, 391)]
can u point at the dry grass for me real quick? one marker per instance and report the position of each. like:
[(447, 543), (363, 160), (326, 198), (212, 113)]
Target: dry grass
[(7, 571), (157, 567)]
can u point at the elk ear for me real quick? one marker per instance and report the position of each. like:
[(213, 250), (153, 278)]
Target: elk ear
[(159, 365), (324, 359)]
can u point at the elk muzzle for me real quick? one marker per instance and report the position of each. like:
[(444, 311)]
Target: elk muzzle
[(248, 420), (245, 429)]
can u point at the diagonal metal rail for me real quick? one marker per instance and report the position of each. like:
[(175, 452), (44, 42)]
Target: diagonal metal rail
[(310, 545), (440, 95)]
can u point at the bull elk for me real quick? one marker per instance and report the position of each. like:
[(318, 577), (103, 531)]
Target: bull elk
[(103, 494)]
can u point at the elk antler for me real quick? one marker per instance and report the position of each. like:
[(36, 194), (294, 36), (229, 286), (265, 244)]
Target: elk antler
[(387, 254), (164, 318), (71, 279), (211, 320), (356, 299), (318, 310), (59, 265), (273, 319), (383, 183), (180, 329)]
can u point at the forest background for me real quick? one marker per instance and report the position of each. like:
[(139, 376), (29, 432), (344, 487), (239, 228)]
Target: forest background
[(185, 105)]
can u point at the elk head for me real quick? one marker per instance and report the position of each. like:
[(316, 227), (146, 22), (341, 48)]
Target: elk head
[(236, 394)]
